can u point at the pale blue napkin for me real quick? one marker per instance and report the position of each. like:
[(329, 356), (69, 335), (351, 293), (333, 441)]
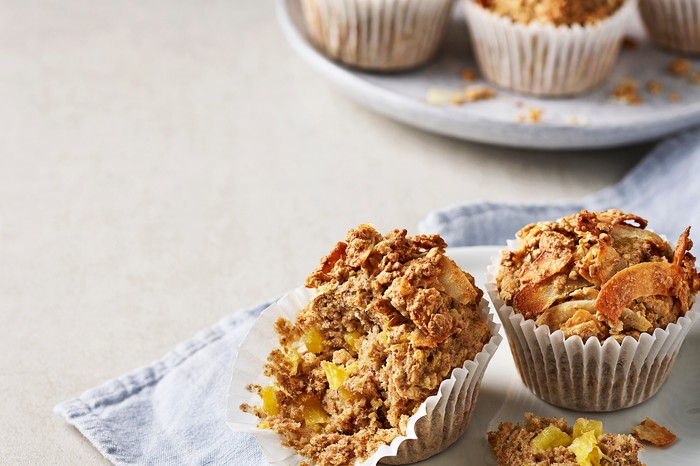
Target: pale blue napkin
[(172, 412)]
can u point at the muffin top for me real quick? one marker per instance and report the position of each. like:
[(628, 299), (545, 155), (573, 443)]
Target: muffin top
[(391, 318), (598, 274), (549, 440), (557, 12)]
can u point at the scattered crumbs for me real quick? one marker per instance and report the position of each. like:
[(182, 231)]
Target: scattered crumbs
[(518, 104), (680, 67), (629, 42), (469, 74), (574, 120), (627, 92), (479, 93), (532, 115), (674, 97), (694, 77), (655, 87), (440, 96)]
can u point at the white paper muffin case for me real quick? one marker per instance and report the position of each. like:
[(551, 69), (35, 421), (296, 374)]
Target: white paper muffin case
[(544, 59), (438, 422), (380, 35), (674, 24), (595, 376)]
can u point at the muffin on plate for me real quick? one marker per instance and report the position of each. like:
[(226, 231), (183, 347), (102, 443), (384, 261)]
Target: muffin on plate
[(547, 47), (673, 24), (549, 440), (381, 361), (596, 308), (378, 35)]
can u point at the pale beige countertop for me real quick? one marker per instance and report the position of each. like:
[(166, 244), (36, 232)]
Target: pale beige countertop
[(166, 163)]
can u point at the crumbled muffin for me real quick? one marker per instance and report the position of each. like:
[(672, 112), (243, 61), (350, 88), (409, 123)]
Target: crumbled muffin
[(557, 12), (544, 441), (391, 318), (598, 274)]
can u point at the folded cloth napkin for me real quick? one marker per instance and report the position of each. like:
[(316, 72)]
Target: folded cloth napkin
[(173, 411)]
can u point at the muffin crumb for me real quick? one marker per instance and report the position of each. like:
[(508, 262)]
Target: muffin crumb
[(674, 97), (680, 67), (655, 87), (627, 92), (473, 94), (468, 74)]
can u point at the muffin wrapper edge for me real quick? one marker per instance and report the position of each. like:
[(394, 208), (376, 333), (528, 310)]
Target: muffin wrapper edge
[(384, 36), (593, 376), (439, 421), (543, 59), (674, 24)]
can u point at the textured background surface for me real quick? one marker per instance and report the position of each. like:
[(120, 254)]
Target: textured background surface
[(165, 163)]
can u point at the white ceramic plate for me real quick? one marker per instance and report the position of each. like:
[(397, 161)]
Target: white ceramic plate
[(503, 397), (402, 97)]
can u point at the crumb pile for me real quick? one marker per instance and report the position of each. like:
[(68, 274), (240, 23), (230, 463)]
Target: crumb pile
[(544, 441), (392, 317), (557, 12), (598, 274)]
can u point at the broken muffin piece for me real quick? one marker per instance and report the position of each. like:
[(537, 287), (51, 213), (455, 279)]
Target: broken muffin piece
[(548, 441), (392, 317)]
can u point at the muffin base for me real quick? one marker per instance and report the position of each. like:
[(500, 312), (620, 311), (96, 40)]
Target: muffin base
[(543, 59), (673, 24), (384, 35)]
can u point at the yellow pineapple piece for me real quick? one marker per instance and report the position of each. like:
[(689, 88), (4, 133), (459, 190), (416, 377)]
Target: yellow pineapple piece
[(294, 359), (263, 425), (550, 437), (383, 338), (269, 405), (352, 339), (336, 375), (345, 393), (314, 414), (313, 340), (586, 449), (583, 425)]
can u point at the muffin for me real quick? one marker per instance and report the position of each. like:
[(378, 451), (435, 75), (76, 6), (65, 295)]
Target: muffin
[(547, 47), (542, 440), (595, 307), (391, 323), (673, 24), (378, 35)]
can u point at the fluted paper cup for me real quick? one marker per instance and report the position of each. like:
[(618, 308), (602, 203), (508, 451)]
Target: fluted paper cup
[(595, 376), (544, 59), (674, 24), (381, 35), (439, 421)]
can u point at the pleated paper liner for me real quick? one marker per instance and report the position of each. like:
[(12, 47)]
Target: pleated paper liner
[(673, 24), (439, 421), (595, 376), (544, 59), (382, 35)]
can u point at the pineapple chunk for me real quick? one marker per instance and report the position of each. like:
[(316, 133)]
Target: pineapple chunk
[(352, 339), (383, 338), (336, 375), (313, 340), (345, 393), (550, 437), (583, 425), (293, 358), (586, 449), (269, 405), (314, 414)]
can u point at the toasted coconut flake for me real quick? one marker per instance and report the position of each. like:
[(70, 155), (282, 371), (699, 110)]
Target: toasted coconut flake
[(603, 262), (456, 283), (555, 316), (631, 319), (622, 232), (535, 298), (650, 431), (547, 264), (645, 279)]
